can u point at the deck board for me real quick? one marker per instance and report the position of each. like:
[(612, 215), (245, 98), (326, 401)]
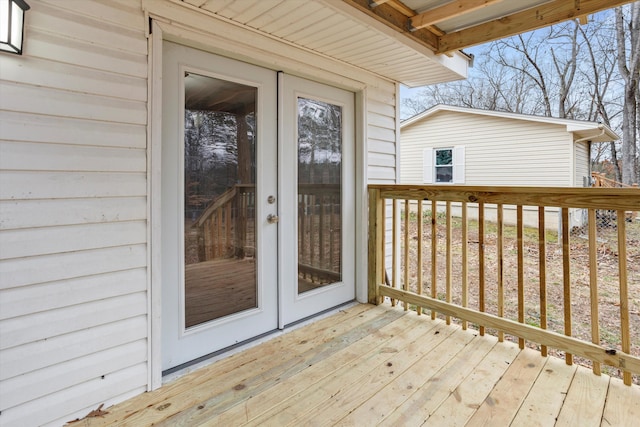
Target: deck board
[(368, 365), (504, 401), (544, 401)]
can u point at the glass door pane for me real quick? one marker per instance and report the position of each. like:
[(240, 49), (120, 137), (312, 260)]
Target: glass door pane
[(219, 198), (319, 194)]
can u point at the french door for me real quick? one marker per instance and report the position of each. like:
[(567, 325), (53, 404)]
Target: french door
[(317, 197), (257, 202)]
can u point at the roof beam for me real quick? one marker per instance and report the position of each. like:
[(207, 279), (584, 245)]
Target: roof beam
[(386, 11), (527, 20), (447, 11)]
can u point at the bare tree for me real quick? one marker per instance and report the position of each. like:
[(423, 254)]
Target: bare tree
[(588, 72), (628, 45)]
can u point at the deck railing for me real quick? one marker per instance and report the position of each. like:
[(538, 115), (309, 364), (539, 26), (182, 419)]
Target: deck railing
[(319, 232), (535, 264), (226, 227)]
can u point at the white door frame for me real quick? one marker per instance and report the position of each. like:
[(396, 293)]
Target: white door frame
[(293, 305), (181, 344), (349, 78)]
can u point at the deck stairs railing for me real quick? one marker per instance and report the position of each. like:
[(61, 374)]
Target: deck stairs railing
[(226, 228), (525, 263)]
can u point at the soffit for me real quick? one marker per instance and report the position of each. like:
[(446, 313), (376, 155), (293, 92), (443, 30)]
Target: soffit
[(336, 30), (415, 42)]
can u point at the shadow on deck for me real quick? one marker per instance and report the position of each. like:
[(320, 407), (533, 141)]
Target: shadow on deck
[(377, 365)]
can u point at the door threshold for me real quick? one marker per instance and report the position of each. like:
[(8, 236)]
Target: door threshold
[(179, 371)]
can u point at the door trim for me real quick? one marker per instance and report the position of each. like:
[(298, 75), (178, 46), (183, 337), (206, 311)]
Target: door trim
[(160, 30)]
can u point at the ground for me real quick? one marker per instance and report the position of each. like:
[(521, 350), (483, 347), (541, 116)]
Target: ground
[(608, 277)]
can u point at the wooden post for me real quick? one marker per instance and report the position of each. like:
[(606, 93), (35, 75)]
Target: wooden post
[(376, 240)]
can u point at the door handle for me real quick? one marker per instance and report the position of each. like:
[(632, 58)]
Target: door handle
[(272, 219)]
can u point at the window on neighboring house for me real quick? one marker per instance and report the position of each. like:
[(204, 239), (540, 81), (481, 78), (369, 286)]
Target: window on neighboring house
[(444, 165)]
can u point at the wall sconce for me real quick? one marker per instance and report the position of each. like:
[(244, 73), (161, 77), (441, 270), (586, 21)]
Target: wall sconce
[(12, 25)]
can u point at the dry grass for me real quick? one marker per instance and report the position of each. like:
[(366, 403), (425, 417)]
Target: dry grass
[(608, 275)]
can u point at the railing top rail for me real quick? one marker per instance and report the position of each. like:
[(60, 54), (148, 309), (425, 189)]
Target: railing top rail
[(627, 199)]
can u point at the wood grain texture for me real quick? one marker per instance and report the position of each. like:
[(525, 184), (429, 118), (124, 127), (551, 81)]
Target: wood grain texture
[(378, 365)]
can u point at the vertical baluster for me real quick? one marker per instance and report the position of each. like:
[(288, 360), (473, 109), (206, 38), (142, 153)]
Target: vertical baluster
[(542, 265), (395, 274), (322, 235), (381, 217), (302, 247), (520, 241), (405, 263), (227, 222), (465, 260), (208, 253), (448, 267), (566, 278), (332, 234), (500, 265), (593, 284), (481, 262), (312, 230), (624, 292), (419, 260), (434, 253)]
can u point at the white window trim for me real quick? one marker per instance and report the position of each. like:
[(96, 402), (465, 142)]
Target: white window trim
[(458, 163)]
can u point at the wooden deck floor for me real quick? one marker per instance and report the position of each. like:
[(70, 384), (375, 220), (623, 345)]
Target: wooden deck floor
[(368, 366)]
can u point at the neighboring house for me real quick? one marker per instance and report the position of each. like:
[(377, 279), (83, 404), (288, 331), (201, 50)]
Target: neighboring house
[(468, 146), (144, 141)]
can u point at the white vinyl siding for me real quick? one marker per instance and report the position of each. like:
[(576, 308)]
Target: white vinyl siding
[(381, 133), (74, 197), (498, 151), (73, 209), (582, 165)]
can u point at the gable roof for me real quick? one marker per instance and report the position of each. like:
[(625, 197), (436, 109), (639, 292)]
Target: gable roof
[(581, 129)]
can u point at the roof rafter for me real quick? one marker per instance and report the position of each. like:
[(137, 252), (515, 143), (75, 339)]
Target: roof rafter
[(520, 22), (385, 12), (422, 27), (447, 11)]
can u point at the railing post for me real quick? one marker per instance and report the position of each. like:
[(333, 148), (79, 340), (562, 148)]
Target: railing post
[(376, 240)]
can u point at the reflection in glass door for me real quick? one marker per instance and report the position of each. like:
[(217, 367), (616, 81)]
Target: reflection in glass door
[(219, 198), (319, 194), (317, 198)]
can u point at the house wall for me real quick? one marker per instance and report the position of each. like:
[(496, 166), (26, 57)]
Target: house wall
[(74, 201), (582, 164), (498, 151), (73, 257)]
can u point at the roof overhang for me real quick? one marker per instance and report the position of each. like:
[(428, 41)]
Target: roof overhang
[(445, 26), (414, 42)]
